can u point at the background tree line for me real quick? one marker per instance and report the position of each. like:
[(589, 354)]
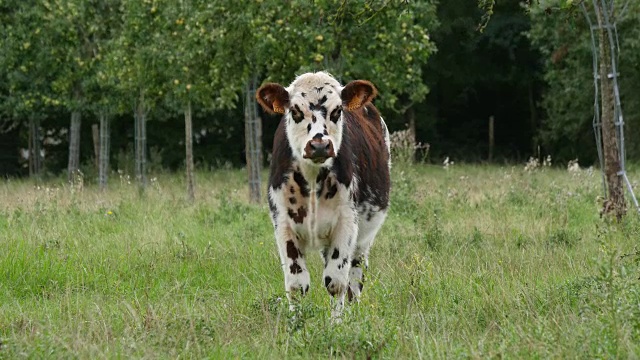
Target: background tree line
[(150, 70)]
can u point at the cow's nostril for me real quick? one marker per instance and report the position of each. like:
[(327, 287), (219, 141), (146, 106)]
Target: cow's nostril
[(319, 146), (318, 136)]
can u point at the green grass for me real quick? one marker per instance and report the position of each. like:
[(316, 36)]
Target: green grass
[(473, 262)]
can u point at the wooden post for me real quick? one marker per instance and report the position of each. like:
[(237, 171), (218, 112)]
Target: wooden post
[(188, 132), (253, 140), (35, 158), (31, 150), (491, 137), (141, 142), (95, 132), (411, 116), (103, 164), (74, 145)]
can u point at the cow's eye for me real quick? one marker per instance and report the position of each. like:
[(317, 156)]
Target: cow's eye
[(296, 114), (335, 114)]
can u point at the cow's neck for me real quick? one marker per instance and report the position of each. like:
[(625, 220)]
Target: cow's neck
[(310, 172)]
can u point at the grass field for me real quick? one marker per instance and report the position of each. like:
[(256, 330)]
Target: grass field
[(473, 262)]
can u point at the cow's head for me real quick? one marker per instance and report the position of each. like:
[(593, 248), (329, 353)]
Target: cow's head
[(312, 107)]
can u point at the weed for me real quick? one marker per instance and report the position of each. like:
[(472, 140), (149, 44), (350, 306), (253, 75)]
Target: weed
[(476, 238), (562, 237), (434, 236)]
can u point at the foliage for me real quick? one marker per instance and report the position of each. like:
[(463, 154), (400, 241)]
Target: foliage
[(134, 59), (385, 42), (110, 56), (472, 262), (161, 52), (25, 61), (563, 39)]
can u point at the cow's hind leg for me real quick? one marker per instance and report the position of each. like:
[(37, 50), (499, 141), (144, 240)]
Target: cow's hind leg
[(356, 277), (369, 226), (296, 275)]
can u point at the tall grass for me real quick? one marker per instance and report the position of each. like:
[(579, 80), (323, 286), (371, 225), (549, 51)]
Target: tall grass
[(472, 262)]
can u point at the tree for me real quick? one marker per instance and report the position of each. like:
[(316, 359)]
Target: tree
[(29, 71), (74, 26), (562, 34), (101, 91), (135, 59), (189, 49), (610, 140)]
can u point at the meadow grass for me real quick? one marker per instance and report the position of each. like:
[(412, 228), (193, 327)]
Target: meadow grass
[(473, 262)]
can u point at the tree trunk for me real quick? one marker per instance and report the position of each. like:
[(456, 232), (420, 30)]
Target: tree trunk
[(140, 142), (188, 133), (74, 145), (615, 202), (103, 158), (35, 163), (253, 140)]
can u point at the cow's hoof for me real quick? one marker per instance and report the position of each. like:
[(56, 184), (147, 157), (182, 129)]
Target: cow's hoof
[(298, 284), (298, 290), (334, 286)]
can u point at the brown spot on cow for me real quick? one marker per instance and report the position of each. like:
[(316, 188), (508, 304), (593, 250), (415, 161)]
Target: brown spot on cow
[(332, 190), (299, 215), (322, 176), (295, 268), (302, 183), (292, 251)]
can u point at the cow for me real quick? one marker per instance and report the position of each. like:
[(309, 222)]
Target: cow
[(329, 180)]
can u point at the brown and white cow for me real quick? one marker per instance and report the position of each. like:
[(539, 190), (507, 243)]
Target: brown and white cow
[(329, 182)]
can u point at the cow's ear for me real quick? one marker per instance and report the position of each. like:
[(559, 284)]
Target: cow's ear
[(273, 98), (357, 93)]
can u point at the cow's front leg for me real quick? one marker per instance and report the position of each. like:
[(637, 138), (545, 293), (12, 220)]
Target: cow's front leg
[(296, 275), (337, 259)]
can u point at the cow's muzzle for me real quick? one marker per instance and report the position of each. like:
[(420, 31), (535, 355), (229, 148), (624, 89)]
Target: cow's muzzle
[(319, 150)]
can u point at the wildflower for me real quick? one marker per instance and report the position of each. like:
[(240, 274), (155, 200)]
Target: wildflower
[(573, 166), (446, 163), (532, 164)]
